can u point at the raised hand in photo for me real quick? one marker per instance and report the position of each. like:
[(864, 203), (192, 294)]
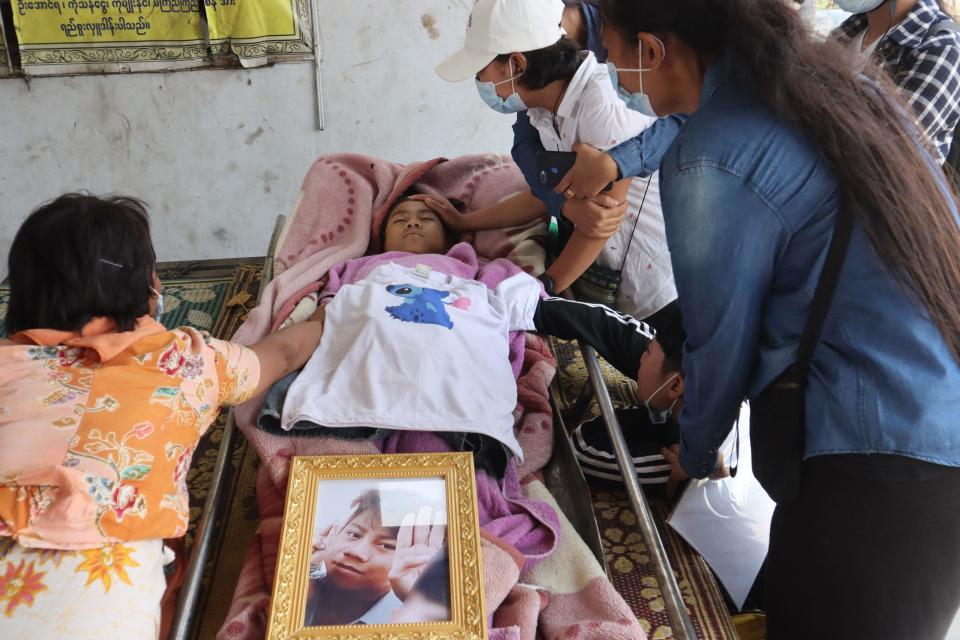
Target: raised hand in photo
[(421, 537), (321, 545)]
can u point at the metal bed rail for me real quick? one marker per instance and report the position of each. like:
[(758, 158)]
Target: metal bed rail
[(673, 600), (185, 616)]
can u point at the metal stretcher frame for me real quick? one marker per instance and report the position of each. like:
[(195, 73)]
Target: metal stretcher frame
[(562, 476), (186, 613), (564, 479), (677, 612), (221, 479)]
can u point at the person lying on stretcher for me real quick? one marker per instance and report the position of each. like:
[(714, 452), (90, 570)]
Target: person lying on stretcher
[(417, 340)]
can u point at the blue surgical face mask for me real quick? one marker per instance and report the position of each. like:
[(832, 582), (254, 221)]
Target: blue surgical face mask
[(512, 104), (859, 6), (639, 101), (159, 311), (657, 416)]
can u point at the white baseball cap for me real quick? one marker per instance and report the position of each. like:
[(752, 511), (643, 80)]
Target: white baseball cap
[(503, 26)]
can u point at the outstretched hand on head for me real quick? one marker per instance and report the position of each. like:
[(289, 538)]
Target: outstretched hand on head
[(447, 213)]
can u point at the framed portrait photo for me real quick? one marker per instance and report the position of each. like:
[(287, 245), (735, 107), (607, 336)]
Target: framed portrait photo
[(380, 546)]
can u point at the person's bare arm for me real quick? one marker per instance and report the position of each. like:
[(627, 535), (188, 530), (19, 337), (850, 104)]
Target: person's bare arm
[(288, 349), (619, 190), (579, 253), (519, 209), (582, 250)]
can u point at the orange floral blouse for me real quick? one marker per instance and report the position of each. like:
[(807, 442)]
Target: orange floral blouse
[(97, 429)]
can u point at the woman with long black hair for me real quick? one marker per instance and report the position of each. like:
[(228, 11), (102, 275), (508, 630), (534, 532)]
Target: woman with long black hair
[(784, 136)]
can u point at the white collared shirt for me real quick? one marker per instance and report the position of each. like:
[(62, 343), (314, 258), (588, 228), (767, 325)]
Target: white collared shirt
[(592, 113), (864, 54), (380, 612)]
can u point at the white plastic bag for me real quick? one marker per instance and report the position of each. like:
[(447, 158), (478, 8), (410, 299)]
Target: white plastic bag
[(728, 521)]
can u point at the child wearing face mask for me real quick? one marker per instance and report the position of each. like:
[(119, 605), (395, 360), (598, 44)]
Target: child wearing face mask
[(650, 427)]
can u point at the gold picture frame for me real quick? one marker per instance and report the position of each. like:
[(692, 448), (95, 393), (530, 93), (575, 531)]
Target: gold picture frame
[(315, 479)]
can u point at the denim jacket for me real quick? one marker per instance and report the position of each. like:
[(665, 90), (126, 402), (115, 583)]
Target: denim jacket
[(749, 205)]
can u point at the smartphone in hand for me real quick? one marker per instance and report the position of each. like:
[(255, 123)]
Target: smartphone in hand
[(553, 165)]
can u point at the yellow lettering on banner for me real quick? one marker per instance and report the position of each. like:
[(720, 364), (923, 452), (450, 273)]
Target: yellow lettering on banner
[(52, 22), (108, 35), (76, 36)]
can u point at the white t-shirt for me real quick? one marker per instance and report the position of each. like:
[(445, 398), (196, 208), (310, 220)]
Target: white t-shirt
[(592, 113), (417, 349), (864, 55)]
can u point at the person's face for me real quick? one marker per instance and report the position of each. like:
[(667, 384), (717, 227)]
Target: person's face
[(499, 74), (414, 228), (652, 377), (361, 555), (417, 608), (648, 55)]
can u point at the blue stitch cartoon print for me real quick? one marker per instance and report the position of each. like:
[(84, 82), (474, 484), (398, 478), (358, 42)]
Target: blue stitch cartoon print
[(424, 306)]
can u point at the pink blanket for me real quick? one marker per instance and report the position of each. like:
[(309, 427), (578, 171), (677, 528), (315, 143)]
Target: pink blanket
[(337, 218), (529, 522), (342, 200)]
